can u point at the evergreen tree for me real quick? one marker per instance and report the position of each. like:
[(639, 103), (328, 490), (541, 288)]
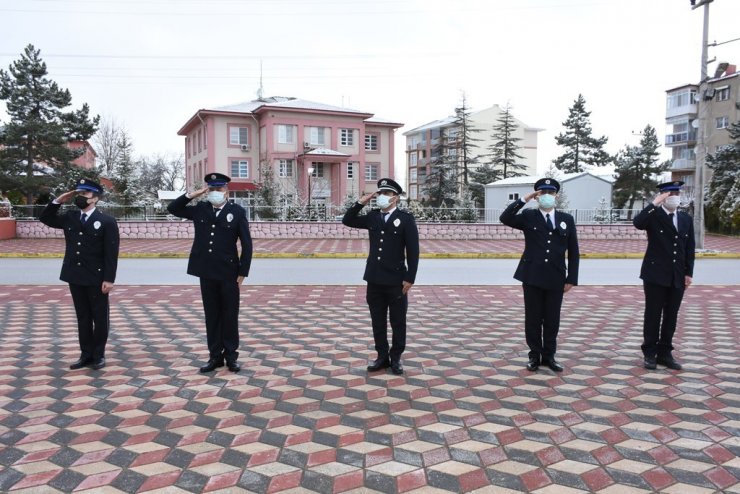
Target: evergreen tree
[(504, 153), (462, 140), (125, 174), (581, 148), (267, 195), (37, 134), (723, 197), (441, 182), (637, 170), (482, 175)]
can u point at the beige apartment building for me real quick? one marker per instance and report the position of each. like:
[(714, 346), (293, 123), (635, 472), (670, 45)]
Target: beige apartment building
[(719, 105), (422, 141)]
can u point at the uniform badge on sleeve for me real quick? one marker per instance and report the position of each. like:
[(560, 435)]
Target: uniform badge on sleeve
[(229, 217), (96, 225), (396, 222)]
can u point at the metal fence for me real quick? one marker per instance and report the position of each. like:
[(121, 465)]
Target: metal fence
[(335, 213)]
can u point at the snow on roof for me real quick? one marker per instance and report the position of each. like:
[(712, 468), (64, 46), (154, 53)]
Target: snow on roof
[(284, 102), (431, 125), (324, 152), (168, 195), (606, 175)]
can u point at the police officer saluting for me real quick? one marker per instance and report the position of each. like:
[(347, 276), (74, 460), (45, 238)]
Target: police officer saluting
[(667, 270), (215, 260), (394, 242), (545, 278), (90, 262)]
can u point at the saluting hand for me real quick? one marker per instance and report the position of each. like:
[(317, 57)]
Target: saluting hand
[(199, 192), (66, 196), (532, 195), (660, 198), (367, 198)]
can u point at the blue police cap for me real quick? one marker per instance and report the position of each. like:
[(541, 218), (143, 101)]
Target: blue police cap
[(670, 186), (88, 185), (547, 184), (389, 184), (216, 179)]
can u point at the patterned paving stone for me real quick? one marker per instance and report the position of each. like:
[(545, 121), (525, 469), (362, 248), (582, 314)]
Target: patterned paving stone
[(304, 415)]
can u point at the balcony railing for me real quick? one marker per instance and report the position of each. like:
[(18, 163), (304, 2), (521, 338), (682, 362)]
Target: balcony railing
[(680, 137), (683, 164)]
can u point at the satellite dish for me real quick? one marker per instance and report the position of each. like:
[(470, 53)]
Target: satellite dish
[(697, 98), (695, 123), (696, 149)]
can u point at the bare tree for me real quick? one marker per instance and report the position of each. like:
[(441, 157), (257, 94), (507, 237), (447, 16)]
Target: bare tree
[(106, 141)]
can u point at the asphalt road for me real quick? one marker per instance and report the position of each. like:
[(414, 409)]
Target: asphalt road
[(19, 271)]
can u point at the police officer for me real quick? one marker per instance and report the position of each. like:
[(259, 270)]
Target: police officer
[(215, 260), (89, 266), (667, 270), (542, 270), (394, 243)]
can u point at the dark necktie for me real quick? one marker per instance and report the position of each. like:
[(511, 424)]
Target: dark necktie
[(549, 223), (83, 218), (670, 217)]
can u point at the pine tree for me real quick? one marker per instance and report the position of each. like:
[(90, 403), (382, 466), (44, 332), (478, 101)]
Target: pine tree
[(581, 148), (38, 130), (267, 195), (462, 140), (637, 170), (722, 206), (482, 175), (125, 174), (504, 151)]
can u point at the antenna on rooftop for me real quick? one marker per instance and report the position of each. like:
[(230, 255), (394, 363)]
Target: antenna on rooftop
[(260, 90)]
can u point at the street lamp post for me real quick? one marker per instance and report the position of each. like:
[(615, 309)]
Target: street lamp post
[(310, 170), (701, 150)]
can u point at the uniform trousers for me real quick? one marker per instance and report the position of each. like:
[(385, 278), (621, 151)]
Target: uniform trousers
[(221, 308), (541, 320), (92, 308), (388, 302), (660, 302)]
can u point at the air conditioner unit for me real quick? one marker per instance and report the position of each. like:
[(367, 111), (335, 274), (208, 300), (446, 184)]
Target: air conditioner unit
[(245, 147)]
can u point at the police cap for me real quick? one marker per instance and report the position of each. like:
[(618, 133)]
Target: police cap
[(389, 184), (547, 184), (216, 179)]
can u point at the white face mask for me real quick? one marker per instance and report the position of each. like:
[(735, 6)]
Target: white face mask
[(547, 201), (672, 202), (215, 197), (383, 201)]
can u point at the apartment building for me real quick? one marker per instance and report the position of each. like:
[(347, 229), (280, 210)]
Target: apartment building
[(719, 104), (422, 143), (314, 149)]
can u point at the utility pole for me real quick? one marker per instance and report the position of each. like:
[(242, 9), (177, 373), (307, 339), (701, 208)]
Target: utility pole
[(701, 148)]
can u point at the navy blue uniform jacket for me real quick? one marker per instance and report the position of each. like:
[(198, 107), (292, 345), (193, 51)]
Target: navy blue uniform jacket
[(669, 257), (392, 244), (214, 254), (91, 250), (543, 262)]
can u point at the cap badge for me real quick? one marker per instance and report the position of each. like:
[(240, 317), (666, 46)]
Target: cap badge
[(383, 182), (547, 181), (213, 177), (82, 180)]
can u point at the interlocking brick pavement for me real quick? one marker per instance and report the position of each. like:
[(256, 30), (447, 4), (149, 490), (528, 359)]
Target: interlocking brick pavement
[(724, 245), (305, 416)]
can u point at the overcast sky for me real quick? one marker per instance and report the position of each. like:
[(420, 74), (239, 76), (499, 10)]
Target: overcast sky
[(150, 64)]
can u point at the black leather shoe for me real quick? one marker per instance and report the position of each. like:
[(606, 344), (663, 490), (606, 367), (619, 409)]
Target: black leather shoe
[(381, 363), (83, 362), (212, 365), (98, 364), (650, 363), (668, 362), (396, 367), (533, 364), (553, 364), (233, 366)]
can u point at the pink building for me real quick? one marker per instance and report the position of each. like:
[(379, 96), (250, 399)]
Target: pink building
[(345, 151), (87, 159)]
